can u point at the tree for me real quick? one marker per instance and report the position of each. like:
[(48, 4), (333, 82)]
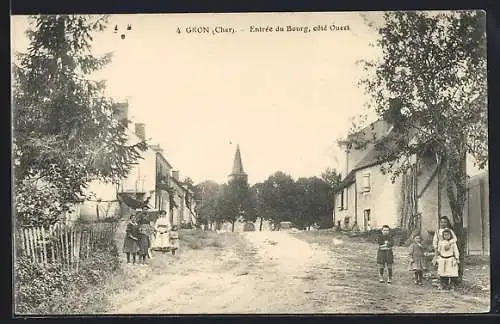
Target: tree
[(189, 184), (66, 132), (332, 178), (278, 198), (314, 203), (237, 202), (431, 85), (259, 206), (206, 195)]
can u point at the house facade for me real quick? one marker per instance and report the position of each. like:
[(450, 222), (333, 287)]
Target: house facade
[(477, 215), (148, 183), (183, 197), (369, 198)]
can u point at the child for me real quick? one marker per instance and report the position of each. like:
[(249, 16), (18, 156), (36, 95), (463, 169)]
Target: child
[(144, 233), (385, 256), (131, 244), (444, 223), (447, 260), (161, 228), (174, 239), (417, 259)]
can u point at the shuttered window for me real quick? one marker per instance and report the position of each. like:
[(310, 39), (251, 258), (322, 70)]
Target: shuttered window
[(344, 205), (366, 182)]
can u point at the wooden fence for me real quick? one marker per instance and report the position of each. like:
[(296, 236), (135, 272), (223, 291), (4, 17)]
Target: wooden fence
[(67, 244)]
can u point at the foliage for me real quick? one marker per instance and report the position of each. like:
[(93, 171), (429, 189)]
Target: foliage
[(305, 202), (188, 182), (37, 204), (431, 86), (315, 202), (65, 131), (51, 289), (278, 196), (236, 202), (332, 178), (206, 195), (171, 197)]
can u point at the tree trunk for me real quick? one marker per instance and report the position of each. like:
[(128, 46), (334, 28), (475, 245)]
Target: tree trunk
[(456, 192), (260, 226), (458, 228), (439, 187), (232, 226)]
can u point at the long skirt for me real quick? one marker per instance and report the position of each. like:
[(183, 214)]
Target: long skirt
[(143, 244), (161, 241), (174, 244), (130, 245), (385, 257), (420, 264), (447, 267)]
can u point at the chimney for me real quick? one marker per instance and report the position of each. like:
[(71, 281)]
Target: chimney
[(175, 175), (140, 130), (157, 148)]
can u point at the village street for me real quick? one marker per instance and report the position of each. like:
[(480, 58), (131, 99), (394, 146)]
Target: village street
[(275, 272)]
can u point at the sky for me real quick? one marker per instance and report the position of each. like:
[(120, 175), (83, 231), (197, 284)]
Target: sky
[(284, 97)]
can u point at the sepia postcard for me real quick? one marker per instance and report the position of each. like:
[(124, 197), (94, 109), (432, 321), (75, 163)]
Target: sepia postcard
[(250, 163)]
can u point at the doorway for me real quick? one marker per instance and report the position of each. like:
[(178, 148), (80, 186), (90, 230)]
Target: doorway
[(366, 220)]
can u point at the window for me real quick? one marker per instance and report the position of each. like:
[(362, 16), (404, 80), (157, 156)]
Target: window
[(340, 200), (366, 212), (345, 196), (367, 220), (366, 182)]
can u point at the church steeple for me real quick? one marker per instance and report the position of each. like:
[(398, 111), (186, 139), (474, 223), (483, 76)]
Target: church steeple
[(238, 171)]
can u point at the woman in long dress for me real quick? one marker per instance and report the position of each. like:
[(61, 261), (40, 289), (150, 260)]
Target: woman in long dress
[(161, 242), (144, 237), (131, 241)]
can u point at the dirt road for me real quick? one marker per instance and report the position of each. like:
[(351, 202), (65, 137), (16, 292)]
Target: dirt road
[(274, 272)]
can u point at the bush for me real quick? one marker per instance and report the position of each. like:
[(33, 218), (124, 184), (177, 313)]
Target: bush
[(51, 289)]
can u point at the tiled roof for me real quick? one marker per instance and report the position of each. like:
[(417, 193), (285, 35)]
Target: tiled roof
[(380, 132), (348, 180)]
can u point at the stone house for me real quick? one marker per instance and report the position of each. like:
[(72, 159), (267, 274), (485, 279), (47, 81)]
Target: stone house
[(147, 183), (368, 197), (183, 213)]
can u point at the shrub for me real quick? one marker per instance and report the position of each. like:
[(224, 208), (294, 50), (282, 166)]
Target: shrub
[(51, 289)]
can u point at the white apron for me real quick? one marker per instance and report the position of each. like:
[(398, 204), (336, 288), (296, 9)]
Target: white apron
[(162, 236), (447, 259)]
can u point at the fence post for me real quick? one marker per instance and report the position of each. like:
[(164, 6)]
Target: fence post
[(25, 242), (44, 247), (32, 244), (72, 245)]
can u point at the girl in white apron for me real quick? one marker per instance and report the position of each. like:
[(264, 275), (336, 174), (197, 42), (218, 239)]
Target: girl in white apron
[(161, 242)]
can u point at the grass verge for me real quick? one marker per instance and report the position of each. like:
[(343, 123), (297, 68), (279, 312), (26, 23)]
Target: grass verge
[(51, 289), (476, 278), (198, 239)]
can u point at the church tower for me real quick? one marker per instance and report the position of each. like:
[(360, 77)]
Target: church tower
[(238, 172)]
